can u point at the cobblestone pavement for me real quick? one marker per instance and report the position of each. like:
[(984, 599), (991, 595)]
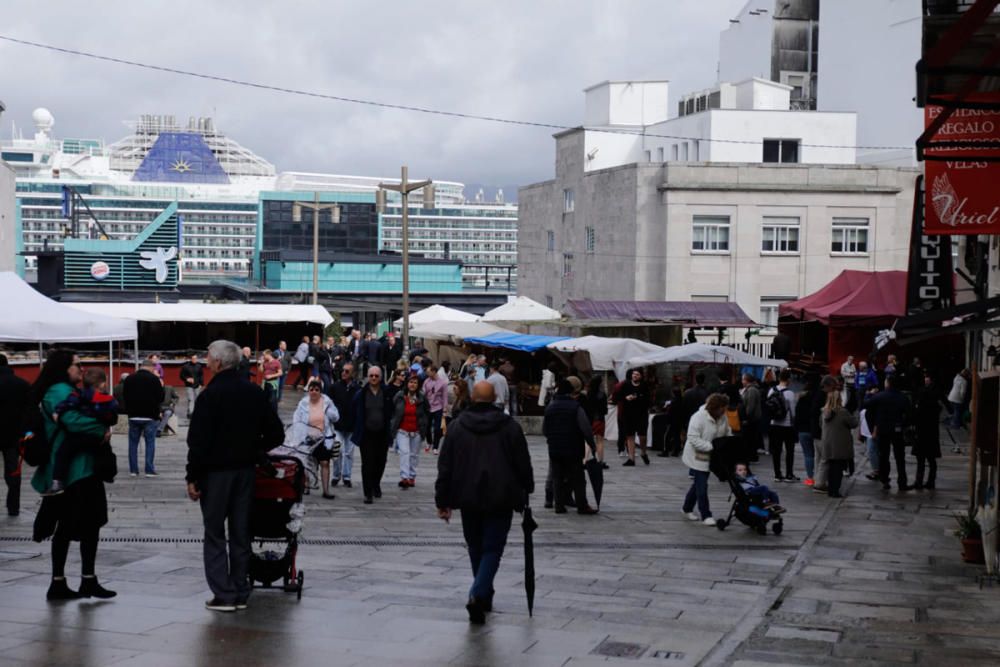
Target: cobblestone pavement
[(875, 578)]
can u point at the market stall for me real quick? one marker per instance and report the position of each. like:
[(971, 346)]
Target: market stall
[(597, 353), (528, 353), (522, 309), (32, 317), (174, 330), (444, 339), (436, 313)]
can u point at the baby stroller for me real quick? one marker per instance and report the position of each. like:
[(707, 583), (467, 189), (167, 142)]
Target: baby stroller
[(726, 453), (276, 517)]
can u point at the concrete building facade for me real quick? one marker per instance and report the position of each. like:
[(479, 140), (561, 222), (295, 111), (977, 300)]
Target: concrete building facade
[(8, 218), (751, 233)]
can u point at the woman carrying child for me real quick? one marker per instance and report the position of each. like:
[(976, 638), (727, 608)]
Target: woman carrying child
[(79, 513)]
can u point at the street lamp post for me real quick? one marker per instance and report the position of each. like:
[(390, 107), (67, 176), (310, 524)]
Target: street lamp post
[(404, 188), (297, 217)]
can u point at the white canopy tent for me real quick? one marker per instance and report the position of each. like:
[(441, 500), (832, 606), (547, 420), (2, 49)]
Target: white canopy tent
[(597, 353), (436, 313), (210, 312), (452, 331), (32, 317), (702, 353), (522, 309)]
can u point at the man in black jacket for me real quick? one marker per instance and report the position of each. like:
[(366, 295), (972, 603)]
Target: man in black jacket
[(233, 426), (392, 352), (342, 392), (143, 394), (484, 470), (193, 377), (373, 408), (13, 401), (566, 429), (889, 411)]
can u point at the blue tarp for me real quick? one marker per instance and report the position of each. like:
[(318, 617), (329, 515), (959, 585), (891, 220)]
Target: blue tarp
[(516, 341)]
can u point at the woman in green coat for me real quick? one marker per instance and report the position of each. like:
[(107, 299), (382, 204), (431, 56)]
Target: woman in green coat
[(80, 512)]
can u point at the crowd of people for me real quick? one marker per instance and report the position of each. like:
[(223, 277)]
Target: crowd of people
[(362, 394)]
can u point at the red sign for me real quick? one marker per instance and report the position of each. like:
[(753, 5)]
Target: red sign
[(961, 192)]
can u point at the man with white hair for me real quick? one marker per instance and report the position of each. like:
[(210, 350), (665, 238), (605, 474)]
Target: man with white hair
[(232, 427)]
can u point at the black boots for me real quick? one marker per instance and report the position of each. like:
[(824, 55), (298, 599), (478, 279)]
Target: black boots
[(89, 588), (59, 590)]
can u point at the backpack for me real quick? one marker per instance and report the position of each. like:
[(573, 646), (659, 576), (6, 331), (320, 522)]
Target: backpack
[(34, 439), (776, 406)]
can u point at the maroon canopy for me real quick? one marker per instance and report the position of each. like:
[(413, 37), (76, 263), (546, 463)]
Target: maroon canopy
[(854, 297)]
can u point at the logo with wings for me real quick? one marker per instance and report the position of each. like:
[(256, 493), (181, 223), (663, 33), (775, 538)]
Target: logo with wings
[(156, 260), (944, 198)]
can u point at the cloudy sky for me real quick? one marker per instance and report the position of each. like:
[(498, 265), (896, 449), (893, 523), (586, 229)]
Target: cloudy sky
[(519, 59)]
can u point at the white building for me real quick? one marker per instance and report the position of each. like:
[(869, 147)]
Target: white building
[(709, 228), (838, 55), (747, 121)]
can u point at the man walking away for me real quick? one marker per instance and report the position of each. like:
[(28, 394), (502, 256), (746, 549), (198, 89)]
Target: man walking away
[(751, 413), (343, 392), (889, 411), (193, 377), (566, 429), (956, 397), (143, 394), (780, 405), (372, 414), (484, 471), (233, 427), (499, 382), (13, 401), (285, 359)]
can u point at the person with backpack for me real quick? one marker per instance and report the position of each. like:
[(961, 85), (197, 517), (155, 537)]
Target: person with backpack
[(79, 513), (780, 408)]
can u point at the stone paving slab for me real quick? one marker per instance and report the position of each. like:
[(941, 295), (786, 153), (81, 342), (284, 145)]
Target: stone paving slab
[(874, 578)]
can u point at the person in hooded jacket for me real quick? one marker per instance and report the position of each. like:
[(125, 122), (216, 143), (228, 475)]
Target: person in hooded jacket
[(484, 470)]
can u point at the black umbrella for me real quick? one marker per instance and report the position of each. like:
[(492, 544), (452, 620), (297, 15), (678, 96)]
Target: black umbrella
[(529, 525), (595, 471)]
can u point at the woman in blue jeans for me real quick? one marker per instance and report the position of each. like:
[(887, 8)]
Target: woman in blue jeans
[(705, 426)]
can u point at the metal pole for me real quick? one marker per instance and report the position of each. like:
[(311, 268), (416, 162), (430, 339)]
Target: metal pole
[(316, 249), (111, 364), (406, 261)]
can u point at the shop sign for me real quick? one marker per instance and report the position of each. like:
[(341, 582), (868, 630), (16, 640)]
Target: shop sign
[(99, 270)]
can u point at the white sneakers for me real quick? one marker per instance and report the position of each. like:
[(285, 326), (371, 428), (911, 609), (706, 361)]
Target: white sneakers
[(694, 516), (709, 521)]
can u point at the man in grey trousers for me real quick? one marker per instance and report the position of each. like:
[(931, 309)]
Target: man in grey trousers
[(231, 429)]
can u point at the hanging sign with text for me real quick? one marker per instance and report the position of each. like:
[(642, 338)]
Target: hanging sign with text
[(961, 193)]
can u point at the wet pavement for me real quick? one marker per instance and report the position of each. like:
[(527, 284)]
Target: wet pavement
[(875, 578)]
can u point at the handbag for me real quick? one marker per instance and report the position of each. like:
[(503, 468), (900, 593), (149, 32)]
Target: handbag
[(105, 463)]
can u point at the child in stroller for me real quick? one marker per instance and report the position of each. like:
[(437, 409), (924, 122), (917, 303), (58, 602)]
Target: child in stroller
[(758, 493), (753, 504)]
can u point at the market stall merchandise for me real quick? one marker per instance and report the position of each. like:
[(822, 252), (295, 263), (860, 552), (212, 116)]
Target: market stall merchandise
[(703, 353)]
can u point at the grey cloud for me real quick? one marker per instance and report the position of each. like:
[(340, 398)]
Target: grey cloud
[(516, 59)]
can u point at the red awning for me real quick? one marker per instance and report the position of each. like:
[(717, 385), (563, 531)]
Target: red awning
[(688, 313), (854, 297)]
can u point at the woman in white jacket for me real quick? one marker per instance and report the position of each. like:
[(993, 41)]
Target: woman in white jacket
[(705, 426)]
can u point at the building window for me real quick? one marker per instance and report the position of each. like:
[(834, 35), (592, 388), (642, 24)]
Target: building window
[(567, 265), (590, 239), (548, 300), (781, 150), (659, 154), (850, 236), (769, 310), (673, 152), (684, 152), (780, 235), (710, 234), (550, 241), (569, 200)]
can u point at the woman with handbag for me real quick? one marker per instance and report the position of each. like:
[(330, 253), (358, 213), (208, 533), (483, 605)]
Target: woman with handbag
[(78, 514), (706, 425)]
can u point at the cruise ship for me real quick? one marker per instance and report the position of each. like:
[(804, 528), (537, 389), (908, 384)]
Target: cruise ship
[(217, 184)]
